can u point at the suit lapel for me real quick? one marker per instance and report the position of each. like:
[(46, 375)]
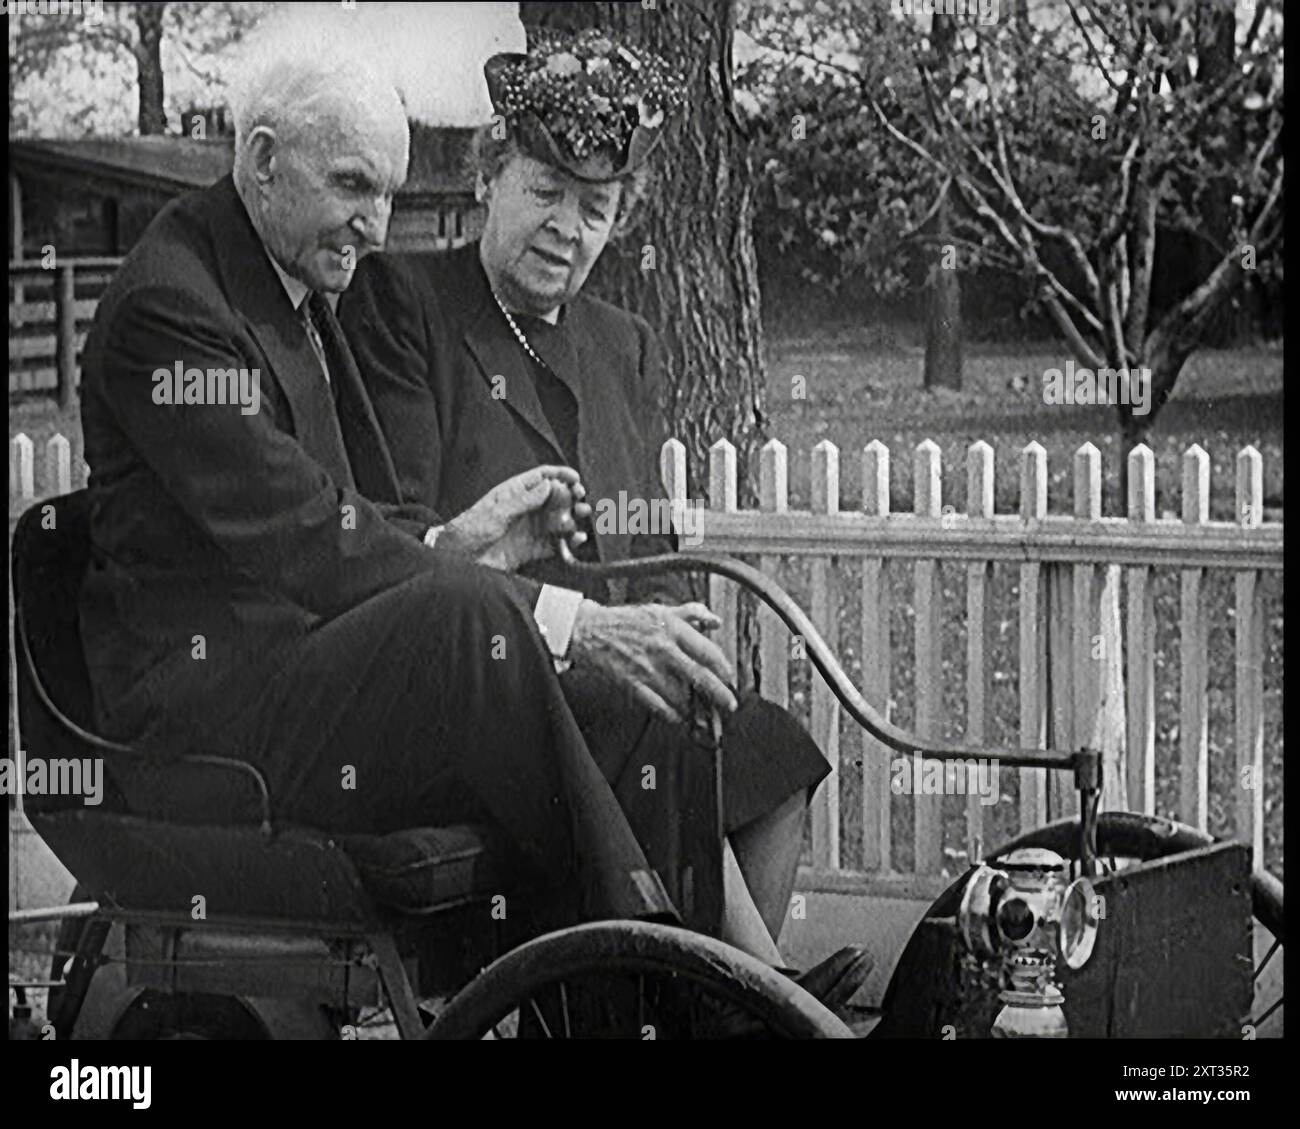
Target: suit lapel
[(569, 357), (368, 453), (499, 355), (560, 354), (256, 292)]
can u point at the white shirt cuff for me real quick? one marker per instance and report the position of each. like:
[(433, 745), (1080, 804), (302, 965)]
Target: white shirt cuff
[(431, 535), (555, 613)]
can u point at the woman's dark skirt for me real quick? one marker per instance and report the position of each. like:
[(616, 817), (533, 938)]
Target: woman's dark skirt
[(767, 756)]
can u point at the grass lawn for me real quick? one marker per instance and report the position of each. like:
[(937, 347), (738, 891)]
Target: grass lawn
[(856, 392)]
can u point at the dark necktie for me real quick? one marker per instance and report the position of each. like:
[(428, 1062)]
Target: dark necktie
[(309, 316), (367, 450)]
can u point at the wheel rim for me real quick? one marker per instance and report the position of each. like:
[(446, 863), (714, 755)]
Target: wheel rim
[(639, 975)]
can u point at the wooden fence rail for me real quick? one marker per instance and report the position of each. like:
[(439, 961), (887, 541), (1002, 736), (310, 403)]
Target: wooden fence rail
[(1081, 679), (50, 309), (1086, 672)]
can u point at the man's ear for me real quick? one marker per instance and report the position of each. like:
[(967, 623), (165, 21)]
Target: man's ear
[(261, 152), (482, 188)]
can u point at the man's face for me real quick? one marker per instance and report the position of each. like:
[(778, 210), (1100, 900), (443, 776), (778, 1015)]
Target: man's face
[(544, 231), (329, 196)]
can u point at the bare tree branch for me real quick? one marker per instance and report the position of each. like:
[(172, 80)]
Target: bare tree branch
[(1070, 332), (1146, 203), (1096, 55), (1182, 325), (1115, 227), (1116, 345), (1048, 231), (1261, 7), (931, 211)]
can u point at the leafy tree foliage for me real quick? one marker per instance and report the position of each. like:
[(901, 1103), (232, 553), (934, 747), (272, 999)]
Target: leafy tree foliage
[(1071, 139), (71, 74)]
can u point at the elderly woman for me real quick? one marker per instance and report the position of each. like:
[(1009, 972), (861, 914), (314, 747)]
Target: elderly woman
[(489, 360)]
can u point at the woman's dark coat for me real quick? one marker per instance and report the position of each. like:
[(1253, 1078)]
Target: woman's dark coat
[(456, 393), (460, 402)]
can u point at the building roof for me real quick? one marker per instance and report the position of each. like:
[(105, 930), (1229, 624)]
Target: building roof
[(170, 163), (439, 160)]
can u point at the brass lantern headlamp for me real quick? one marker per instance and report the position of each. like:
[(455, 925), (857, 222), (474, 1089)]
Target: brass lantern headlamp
[(1025, 914)]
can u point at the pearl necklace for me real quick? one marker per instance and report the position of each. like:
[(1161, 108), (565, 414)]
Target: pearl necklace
[(519, 333)]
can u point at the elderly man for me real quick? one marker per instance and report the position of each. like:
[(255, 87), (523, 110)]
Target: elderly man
[(258, 587)]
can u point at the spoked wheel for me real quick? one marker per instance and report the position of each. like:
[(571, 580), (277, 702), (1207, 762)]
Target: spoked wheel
[(1123, 839), (632, 980)]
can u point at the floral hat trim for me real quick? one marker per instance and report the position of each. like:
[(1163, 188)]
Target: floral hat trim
[(583, 96)]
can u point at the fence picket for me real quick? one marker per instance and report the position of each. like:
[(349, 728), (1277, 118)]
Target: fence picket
[(1193, 718), (927, 833), (58, 464), (774, 642), (723, 596), (979, 633), (1140, 642), (672, 474), (824, 611), (877, 662), (1249, 694), (22, 466), (1033, 642), (1072, 638)]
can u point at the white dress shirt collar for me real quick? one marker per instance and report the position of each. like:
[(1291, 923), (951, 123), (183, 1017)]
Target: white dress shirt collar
[(296, 289)]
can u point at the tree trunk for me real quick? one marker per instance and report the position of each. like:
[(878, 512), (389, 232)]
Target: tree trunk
[(152, 117), (1165, 365), (1216, 56), (689, 266), (943, 328)]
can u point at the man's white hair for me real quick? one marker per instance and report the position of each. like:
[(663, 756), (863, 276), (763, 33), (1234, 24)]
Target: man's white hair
[(294, 73)]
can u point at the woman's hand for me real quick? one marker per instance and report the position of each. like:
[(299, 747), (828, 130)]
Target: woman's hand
[(519, 520)]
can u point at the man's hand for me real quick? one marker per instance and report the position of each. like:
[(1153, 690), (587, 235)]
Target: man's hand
[(519, 520), (657, 653)]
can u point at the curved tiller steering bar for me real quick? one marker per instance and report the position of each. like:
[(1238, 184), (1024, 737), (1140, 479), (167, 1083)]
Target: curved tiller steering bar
[(1085, 763)]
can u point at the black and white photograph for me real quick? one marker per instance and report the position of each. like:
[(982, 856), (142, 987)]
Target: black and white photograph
[(664, 520)]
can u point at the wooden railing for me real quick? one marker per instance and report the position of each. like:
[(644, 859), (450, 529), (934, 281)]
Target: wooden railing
[(1070, 639), (50, 309), (1070, 642)]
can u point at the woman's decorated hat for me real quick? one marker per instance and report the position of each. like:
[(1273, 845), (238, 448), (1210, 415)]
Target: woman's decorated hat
[(584, 102)]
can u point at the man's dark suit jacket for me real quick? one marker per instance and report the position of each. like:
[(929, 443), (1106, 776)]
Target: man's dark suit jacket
[(455, 394), (243, 529)]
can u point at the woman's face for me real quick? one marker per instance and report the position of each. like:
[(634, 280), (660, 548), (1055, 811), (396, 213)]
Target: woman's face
[(545, 229)]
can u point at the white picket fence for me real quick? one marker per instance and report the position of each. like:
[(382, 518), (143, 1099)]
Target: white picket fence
[(1069, 570)]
